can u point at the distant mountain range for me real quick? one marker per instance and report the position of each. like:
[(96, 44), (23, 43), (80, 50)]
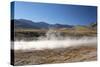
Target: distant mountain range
[(23, 24)]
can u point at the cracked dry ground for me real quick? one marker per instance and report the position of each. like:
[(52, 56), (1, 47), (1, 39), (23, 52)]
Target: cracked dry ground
[(59, 55)]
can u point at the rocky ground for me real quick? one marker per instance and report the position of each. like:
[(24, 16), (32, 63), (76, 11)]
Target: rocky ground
[(59, 55)]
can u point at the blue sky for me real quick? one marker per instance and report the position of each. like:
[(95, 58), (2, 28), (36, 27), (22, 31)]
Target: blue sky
[(55, 13)]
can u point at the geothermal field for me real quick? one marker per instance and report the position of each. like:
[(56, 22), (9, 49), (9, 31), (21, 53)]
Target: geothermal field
[(47, 33), (55, 48)]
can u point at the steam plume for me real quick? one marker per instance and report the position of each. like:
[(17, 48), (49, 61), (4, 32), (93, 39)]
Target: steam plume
[(53, 39)]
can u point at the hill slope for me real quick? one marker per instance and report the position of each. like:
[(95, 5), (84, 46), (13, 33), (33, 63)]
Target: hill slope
[(23, 23)]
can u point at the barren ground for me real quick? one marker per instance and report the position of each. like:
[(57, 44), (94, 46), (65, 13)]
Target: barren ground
[(59, 55)]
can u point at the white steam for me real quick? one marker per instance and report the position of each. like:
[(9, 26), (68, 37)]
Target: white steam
[(53, 40)]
